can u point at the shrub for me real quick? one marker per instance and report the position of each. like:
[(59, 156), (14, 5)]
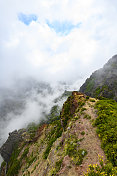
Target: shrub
[(71, 149), (14, 164), (78, 158), (3, 164), (106, 123), (99, 170), (25, 153), (13, 170), (30, 160), (90, 85), (86, 116), (92, 100), (69, 109), (66, 112), (83, 109), (83, 133), (32, 128), (98, 91), (87, 97), (52, 137), (57, 167)]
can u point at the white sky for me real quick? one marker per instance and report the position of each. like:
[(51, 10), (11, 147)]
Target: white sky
[(38, 50)]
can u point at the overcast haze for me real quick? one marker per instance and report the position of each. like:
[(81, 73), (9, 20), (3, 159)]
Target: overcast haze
[(55, 40), (52, 41)]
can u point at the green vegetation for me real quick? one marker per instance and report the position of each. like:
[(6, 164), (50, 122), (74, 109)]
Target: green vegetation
[(87, 97), (86, 116), (32, 128), (73, 151), (72, 105), (83, 109), (104, 91), (35, 167), (3, 164), (69, 110), (100, 90), (14, 168), (81, 103), (57, 167), (53, 115), (66, 114), (14, 163), (82, 133), (106, 123), (102, 82), (59, 145), (90, 84), (24, 155), (55, 133), (30, 160), (92, 100), (99, 170), (97, 91), (58, 164)]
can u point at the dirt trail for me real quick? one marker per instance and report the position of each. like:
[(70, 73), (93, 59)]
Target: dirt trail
[(79, 126), (91, 142)]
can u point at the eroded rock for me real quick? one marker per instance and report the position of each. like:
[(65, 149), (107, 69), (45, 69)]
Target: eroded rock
[(8, 147)]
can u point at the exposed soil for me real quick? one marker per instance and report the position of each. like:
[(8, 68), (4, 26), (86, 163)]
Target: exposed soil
[(82, 128), (90, 142)]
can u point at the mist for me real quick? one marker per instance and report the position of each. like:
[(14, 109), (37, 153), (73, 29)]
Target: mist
[(47, 47), (29, 102)]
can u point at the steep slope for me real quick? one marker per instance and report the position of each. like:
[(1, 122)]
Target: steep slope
[(66, 146), (103, 82), (31, 99)]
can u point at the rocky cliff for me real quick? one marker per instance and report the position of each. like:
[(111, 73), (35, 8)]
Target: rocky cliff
[(81, 140), (8, 147), (69, 143), (103, 82)]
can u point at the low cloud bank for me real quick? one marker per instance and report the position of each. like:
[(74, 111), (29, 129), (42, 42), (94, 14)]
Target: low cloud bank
[(29, 102)]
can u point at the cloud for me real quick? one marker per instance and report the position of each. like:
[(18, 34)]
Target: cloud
[(28, 101), (43, 39), (27, 19), (56, 47)]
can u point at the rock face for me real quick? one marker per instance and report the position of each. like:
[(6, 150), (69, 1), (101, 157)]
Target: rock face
[(103, 82), (65, 146), (69, 107), (8, 147)]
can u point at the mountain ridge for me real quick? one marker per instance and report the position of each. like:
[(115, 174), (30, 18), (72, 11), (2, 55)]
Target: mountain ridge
[(66, 146), (81, 140), (103, 82)]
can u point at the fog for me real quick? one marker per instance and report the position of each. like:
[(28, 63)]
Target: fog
[(29, 102), (47, 47), (67, 40)]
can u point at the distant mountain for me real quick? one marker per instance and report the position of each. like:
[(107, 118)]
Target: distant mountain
[(103, 82), (77, 139)]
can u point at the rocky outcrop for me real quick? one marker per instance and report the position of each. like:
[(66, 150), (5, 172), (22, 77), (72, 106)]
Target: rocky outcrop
[(8, 147), (65, 146), (76, 100), (103, 82)]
